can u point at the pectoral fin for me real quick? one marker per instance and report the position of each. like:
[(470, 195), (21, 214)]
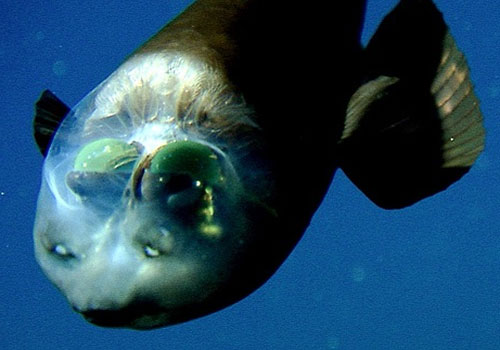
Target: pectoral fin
[(415, 126), (49, 113)]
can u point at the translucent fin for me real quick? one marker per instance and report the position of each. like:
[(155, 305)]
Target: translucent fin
[(415, 127), (458, 107), (49, 112)]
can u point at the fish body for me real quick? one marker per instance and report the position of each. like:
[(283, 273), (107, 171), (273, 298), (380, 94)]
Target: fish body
[(181, 182)]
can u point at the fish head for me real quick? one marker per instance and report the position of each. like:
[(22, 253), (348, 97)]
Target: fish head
[(146, 224)]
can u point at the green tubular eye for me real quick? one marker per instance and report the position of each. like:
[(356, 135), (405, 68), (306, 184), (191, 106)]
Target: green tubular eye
[(187, 157), (106, 155), (188, 173)]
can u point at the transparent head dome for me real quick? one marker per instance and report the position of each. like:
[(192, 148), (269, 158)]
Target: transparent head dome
[(144, 217)]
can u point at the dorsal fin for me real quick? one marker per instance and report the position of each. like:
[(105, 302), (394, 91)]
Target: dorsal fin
[(49, 113), (415, 127)]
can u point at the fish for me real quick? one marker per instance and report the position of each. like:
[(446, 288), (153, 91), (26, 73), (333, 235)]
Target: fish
[(181, 183)]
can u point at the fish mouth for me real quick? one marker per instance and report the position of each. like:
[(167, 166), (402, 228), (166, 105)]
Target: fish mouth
[(138, 317)]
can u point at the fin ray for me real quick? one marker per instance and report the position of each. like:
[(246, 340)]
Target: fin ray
[(415, 126)]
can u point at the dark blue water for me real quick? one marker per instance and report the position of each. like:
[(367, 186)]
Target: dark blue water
[(427, 277)]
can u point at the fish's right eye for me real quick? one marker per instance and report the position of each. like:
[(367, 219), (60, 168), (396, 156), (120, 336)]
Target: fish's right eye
[(106, 155), (101, 171)]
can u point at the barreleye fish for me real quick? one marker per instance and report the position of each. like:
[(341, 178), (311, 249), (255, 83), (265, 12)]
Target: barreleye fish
[(180, 183)]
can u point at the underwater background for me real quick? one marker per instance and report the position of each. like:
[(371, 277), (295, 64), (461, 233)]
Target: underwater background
[(425, 277)]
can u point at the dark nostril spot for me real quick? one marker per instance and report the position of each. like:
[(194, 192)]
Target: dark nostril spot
[(62, 252)]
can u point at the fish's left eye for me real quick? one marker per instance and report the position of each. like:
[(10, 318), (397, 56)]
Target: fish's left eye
[(191, 158), (180, 172)]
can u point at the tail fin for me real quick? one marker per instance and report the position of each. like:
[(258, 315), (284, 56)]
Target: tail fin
[(415, 126)]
